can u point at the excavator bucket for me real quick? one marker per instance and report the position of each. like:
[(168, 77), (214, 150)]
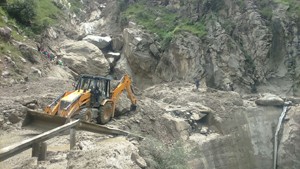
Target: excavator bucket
[(42, 121)]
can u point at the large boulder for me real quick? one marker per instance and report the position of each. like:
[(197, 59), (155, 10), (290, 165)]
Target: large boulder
[(84, 57), (270, 100), (178, 126)]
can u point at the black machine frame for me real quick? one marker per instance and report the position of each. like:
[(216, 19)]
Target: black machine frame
[(99, 87)]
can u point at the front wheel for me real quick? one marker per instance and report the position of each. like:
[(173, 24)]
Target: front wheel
[(84, 114), (105, 113)]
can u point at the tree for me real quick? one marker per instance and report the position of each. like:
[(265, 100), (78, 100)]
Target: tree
[(23, 11)]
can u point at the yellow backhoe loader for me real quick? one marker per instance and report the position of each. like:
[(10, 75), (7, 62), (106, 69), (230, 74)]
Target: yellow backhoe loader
[(92, 98)]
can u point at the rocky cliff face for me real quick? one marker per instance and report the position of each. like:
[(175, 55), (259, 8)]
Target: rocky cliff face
[(242, 47)]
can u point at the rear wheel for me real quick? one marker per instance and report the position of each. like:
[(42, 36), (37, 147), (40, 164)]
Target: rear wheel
[(105, 113)]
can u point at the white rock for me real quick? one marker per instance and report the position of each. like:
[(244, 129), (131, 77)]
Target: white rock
[(22, 59), (37, 71), (138, 160), (195, 116), (100, 41), (51, 33), (131, 24), (5, 73), (136, 40), (204, 130)]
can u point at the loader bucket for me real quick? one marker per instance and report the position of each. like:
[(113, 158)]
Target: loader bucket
[(42, 121)]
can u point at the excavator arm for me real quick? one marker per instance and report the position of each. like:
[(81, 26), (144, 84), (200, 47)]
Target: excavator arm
[(124, 84)]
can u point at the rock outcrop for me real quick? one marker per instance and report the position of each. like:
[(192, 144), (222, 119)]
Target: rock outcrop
[(136, 50)]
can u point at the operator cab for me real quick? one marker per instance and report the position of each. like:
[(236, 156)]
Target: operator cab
[(98, 86)]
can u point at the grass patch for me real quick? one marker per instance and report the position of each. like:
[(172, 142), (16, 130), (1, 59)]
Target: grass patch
[(7, 48), (160, 20), (197, 28), (47, 11), (2, 14)]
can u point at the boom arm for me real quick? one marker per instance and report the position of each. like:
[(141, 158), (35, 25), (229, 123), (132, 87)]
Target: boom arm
[(125, 83)]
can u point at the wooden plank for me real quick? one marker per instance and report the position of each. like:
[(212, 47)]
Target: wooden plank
[(35, 149), (14, 149), (43, 151), (72, 138), (95, 128)]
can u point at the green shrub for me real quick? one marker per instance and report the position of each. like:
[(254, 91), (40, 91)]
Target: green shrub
[(197, 28), (167, 40), (39, 27), (23, 11), (265, 9), (266, 13), (123, 20)]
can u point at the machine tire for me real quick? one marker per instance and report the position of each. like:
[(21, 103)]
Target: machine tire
[(105, 113), (85, 114)]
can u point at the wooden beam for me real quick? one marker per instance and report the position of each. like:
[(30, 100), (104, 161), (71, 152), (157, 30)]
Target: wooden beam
[(35, 149), (43, 151), (14, 149), (72, 138)]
